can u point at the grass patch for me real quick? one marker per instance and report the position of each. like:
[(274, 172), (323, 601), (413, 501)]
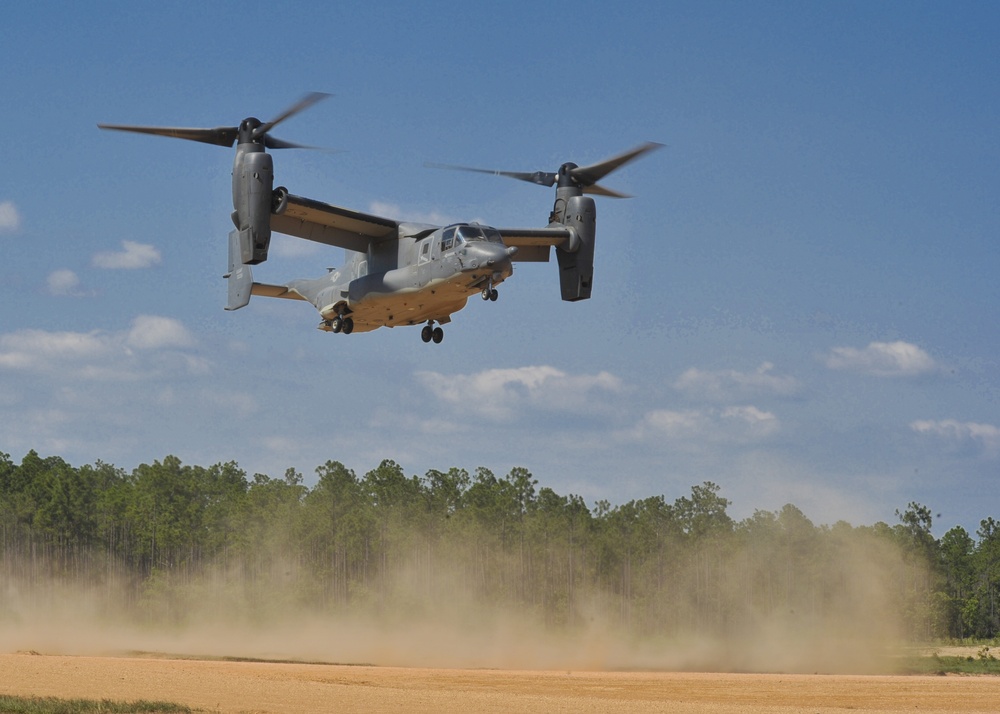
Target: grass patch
[(52, 705), (936, 664)]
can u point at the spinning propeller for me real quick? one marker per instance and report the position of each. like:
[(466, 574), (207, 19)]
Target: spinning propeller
[(250, 131), (569, 174)]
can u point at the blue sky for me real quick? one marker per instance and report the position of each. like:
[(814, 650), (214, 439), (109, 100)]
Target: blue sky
[(800, 303)]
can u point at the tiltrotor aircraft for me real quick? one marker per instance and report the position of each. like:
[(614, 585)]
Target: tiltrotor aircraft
[(397, 273)]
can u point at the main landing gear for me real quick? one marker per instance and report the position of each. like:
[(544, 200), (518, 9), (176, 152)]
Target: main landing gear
[(342, 324), (432, 333)]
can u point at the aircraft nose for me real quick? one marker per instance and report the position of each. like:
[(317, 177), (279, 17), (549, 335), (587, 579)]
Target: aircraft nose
[(487, 255), (498, 254)]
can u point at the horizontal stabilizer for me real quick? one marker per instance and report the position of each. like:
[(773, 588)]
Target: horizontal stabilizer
[(275, 291)]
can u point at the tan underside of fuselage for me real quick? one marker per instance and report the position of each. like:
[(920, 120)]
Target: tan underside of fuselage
[(435, 301)]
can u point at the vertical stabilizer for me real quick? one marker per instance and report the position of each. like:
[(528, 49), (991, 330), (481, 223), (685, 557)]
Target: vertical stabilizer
[(240, 276)]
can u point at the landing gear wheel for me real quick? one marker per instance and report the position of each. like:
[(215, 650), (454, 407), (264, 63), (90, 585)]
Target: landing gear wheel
[(337, 324), (437, 335), (494, 295), (487, 292), (348, 326), (427, 333)]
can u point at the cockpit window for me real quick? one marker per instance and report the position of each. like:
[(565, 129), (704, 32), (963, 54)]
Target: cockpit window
[(471, 233), (447, 238), (477, 232)]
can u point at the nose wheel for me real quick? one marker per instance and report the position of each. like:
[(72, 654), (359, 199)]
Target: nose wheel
[(490, 293), (432, 333)]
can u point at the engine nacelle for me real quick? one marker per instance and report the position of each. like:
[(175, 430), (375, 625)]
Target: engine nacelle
[(576, 267), (279, 200), (253, 182)]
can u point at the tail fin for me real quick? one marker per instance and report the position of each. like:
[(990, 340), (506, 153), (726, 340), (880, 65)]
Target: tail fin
[(240, 276)]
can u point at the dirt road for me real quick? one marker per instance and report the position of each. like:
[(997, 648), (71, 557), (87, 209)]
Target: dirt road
[(297, 688)]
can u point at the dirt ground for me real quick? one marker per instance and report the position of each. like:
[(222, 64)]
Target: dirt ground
[(220, 686)]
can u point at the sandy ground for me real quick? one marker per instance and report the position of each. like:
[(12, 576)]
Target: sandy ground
[(220, 686)]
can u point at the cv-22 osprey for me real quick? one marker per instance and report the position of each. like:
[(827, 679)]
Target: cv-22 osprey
[(396, 273)]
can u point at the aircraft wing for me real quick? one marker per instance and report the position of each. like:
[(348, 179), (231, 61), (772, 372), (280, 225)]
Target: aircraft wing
[(533, 243), (331, 225)]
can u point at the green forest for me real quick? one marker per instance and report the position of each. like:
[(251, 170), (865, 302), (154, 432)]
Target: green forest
[(387, 542)]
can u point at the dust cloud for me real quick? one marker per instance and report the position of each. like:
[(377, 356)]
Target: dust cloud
[(747, 620)]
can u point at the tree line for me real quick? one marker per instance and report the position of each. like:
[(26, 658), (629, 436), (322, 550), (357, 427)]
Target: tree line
[(169, 534)]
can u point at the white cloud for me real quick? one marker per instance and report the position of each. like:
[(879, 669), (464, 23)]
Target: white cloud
[(131, 257), (35, 349), (728, 385), (985, 436), (693, 428), (149, 347), (498, 393), (882, 359), (64, 282), (689, 424), (151, 332), (10, 218), (753, 421)]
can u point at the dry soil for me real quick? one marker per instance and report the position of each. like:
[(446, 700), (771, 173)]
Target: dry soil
[(225, 686)]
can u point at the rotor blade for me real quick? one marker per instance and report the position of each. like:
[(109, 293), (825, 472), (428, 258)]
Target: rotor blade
[(541, 178), (220, 136), (303, 104), (589, 175), (598, 190), (273, 143)]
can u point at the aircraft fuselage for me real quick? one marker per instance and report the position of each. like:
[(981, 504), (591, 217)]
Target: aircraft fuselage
[(439, 272)]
